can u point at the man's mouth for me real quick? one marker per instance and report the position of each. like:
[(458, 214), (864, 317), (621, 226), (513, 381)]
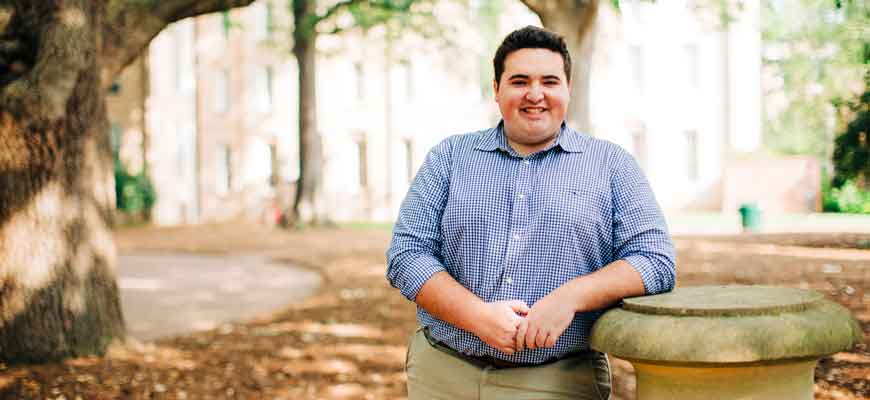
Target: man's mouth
[(533, 110)]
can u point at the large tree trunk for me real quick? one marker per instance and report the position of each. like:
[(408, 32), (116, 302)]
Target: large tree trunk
[(307, 205), (575, 20), (58, 295)]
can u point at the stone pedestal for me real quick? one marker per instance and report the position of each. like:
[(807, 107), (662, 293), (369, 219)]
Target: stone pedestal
[(726, 342)]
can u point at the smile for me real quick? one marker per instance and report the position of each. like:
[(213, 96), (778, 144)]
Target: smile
[(533, 110)]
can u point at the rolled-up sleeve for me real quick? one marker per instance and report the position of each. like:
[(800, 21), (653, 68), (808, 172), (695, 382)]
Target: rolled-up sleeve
[(414, 253), (640, 233)]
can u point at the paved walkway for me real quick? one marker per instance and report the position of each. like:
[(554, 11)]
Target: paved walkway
[(164, 294)]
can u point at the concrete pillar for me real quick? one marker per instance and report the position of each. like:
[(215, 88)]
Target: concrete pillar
[(726, 342)]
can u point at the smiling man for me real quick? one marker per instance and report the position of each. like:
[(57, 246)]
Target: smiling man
[(513, 240)]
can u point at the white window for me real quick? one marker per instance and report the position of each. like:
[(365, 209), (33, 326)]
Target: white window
[(222, 91), (639, 146), (223, 170), (360, 80), (260, 19), (691, 62), (692, 155), (362, 162), (183, 56), (409, 159), (637, 67), (273, 165), (407, 77), (263, 88)]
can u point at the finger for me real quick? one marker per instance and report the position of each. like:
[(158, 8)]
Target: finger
[(530, 337), (507, 350), (521, 335), (551, 341), (541, 338), (519, 307)]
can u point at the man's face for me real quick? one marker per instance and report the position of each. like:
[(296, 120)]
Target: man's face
[(532, 95)]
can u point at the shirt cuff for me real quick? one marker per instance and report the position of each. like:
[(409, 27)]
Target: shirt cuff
[(417, 272), (648, 273)]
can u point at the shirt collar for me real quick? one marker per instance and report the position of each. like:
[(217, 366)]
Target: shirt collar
[(494, 138)]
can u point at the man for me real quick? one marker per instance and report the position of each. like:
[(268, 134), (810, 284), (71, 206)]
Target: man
[(513, 240)]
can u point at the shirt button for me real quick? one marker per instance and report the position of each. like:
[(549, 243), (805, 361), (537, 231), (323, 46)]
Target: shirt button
[(508, 280), (521, 196), (516, 237), (526, 162)]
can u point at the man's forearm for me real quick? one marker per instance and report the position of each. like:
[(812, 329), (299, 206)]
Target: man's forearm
[(604, 287), (446, 299)]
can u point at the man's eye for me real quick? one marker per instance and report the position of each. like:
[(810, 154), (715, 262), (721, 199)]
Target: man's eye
[(518, 83), (551, 82)]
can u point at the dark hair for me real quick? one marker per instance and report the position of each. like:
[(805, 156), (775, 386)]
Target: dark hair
[(531, 37)]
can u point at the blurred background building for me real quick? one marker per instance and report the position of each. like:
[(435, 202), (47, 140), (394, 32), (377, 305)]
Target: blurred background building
[(211, 110)]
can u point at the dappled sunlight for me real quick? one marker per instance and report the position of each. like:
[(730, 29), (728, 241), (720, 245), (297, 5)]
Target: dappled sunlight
[(146, 284), (367, 271), (316, 328), (378, 354), (347, 391), (44, 218), (318, 301), (153, 355), (5, 16), (717, 247), (73, 17), (852, 358), (331, 366)]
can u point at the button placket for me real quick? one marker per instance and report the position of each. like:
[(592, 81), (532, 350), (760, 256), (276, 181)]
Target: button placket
[(518, 225)]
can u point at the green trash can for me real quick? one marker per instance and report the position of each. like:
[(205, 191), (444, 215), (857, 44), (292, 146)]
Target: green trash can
[(750, 217)]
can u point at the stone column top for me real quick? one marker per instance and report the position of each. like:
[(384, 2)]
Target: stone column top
[(726, 325), (704, 301)]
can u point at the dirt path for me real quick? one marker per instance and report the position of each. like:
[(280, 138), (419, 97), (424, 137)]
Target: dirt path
[(169, 293), (348, 341)]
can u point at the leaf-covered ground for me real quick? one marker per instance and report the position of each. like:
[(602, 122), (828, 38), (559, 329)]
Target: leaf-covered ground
[(348, 341)]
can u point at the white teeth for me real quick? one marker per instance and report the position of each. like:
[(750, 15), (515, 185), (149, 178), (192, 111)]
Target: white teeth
[(533, 110)]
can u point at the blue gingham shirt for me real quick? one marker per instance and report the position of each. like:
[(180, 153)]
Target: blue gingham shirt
[(510, 227)]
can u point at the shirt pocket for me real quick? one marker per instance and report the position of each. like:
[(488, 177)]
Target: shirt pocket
[(580, 218)]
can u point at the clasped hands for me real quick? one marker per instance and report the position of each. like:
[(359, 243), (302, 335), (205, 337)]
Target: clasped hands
[(510, 326)]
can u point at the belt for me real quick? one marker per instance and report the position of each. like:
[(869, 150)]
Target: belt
[(492, 362)]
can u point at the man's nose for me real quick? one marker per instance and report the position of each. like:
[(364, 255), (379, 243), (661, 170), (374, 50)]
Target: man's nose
[(535, 93)]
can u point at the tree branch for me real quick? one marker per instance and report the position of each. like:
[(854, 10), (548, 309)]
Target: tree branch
[(551, 8), (537, 6), (131, 24), (175, 10), (335, 8)]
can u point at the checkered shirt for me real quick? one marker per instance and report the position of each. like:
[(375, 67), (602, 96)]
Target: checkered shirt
[(510, 227)]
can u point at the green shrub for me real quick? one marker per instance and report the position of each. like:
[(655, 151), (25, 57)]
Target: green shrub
[(848, 198), (134, 194)]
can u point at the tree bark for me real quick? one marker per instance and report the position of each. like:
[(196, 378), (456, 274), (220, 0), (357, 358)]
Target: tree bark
[(307, 208), (575, 20), (58, 291)]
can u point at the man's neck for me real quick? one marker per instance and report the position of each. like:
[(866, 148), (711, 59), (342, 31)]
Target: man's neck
[(527, 149)]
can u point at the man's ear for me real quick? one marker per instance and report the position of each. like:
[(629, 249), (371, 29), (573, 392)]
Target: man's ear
[(495, 88)]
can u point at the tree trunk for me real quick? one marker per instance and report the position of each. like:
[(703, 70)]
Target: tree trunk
[(58, 295), (579, 35), (575, 20), (307, 207)]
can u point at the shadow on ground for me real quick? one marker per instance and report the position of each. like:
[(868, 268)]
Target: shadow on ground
[(348, 341)]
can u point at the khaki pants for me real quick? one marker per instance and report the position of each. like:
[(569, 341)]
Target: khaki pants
[(434, 374)]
